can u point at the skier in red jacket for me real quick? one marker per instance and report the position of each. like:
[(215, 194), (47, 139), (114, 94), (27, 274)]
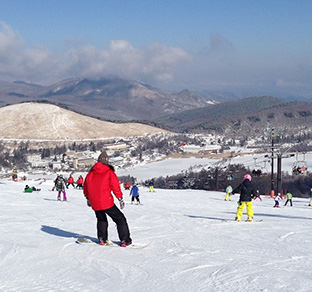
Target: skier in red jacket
[(70, 181), (99, 184), (79, 183)]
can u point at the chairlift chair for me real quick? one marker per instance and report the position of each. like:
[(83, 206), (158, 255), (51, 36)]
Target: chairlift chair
[(300, 167)]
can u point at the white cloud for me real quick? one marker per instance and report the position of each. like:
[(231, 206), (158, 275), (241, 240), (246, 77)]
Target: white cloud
[(41, 65), (217, 66), (10, 40)]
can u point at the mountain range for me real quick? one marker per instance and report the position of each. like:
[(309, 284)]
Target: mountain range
[(247, 117), (108, 99), (115, 99)]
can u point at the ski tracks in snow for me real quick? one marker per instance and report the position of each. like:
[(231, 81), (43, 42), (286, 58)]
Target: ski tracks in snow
[(283, 237)]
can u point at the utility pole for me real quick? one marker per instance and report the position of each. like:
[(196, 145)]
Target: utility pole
[(279, 156), (279, 171), (217, 178), (279, 174), (272, 161)]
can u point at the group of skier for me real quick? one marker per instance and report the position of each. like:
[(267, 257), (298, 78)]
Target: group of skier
[(61, 184), (71, 181), (248, 192), (99, 185), (102, 181)]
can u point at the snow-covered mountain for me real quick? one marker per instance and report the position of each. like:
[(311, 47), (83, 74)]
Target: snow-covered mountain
[(110, 98), (42, 121)]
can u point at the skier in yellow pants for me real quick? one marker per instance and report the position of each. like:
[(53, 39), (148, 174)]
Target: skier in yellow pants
[(228, 192), (240, 209), (246, 191), (151, 186)]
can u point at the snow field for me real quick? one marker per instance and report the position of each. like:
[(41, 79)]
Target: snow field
[(181, 243)]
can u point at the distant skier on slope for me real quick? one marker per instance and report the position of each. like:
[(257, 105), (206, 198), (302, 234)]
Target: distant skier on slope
[(135, 194), (100, 182), (151, 186), (276, 201), (289, 198), (70, 181), (228, 192), (54, 187), (246, 191), (79, 182), (61, 186), (14, 175), (29, 189), (257, 195)]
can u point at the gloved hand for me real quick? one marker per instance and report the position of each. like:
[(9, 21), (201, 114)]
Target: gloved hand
[(88, 203), (122, 203)]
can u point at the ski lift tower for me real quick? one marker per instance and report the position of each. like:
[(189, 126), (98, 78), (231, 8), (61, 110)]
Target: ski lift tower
[(279, 170), (276, 152), (272, 161)]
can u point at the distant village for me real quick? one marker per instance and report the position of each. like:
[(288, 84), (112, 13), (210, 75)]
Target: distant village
[(123, 152), (23, 158)]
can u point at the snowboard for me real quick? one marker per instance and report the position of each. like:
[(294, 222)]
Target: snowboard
[(242, 221), (83, 240)]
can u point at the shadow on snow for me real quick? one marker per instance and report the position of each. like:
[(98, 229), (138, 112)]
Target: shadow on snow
[(63, 233), (256, 215)]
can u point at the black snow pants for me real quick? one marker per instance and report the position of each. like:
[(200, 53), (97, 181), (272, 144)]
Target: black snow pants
[(137, 198), (118, 217)]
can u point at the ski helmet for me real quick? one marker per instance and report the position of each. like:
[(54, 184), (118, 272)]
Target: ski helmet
[(247, 176)]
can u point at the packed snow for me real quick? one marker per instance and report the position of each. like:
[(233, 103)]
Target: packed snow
[(183, 240), (176, 165)]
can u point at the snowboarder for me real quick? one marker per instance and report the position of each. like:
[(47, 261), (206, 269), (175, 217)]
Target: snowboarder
[(310, 204), (257, 195), (79, 183), (276, 200), (289, 198), (54, 187), (246, 191), (99, 183), (14, 175), (61, 186), (151, 186), (70, 181), (228, 192), (135, 194), (29, 189)]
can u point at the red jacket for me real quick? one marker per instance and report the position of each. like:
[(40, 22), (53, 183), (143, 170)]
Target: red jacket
[(99, 184), (70, 180), (80, 181)]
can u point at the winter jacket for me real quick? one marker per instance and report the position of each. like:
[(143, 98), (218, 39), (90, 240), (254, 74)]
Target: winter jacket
[(28, 190), (70, 180), (289, 196), (246, 191), (80, 181), (99, 184), (60, 184), (134, 191), (229, 189)]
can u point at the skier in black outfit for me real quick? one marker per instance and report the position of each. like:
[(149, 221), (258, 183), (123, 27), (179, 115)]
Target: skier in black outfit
[(247, 192)]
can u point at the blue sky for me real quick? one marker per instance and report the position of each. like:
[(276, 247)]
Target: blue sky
[(242, 47)]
